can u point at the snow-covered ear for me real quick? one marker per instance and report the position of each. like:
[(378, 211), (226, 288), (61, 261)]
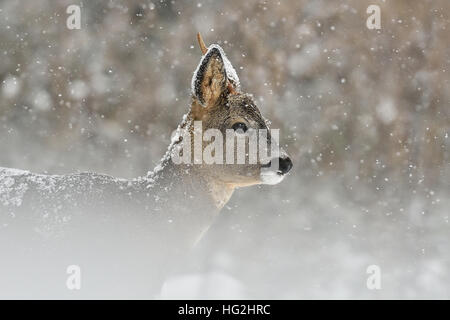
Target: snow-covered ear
[(214, 77), (209, 82)]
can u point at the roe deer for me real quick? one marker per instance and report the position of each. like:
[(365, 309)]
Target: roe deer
[(48, 222)]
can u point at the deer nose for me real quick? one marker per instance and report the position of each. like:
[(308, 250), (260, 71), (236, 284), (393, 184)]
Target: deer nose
[(284, 165)]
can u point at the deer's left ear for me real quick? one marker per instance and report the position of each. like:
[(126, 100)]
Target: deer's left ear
[(209, 82)]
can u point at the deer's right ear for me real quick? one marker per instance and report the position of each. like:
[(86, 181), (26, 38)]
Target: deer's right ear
[(209, 82)]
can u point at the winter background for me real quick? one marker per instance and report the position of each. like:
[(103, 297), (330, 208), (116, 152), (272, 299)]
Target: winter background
[(364, 114)]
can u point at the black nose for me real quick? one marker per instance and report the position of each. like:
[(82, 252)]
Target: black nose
[(284, 165)]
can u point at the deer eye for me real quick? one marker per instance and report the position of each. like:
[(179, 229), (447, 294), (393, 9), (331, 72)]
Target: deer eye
[(239, 126)]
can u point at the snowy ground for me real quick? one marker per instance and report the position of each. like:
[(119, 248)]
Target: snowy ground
[(312, 242)]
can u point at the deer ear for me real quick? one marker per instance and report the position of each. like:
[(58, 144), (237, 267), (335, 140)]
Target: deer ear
[(209, 82)]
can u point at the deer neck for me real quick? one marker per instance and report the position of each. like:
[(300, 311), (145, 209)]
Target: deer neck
[(191, 201), (220, 193), (189, 179)]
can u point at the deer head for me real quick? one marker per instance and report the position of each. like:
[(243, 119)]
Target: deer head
[(219, 104)]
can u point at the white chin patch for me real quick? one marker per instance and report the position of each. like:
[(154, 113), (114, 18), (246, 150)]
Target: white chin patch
[(271, 177)]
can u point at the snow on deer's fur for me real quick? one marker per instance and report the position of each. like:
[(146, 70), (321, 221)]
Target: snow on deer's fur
[(166, 210)]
